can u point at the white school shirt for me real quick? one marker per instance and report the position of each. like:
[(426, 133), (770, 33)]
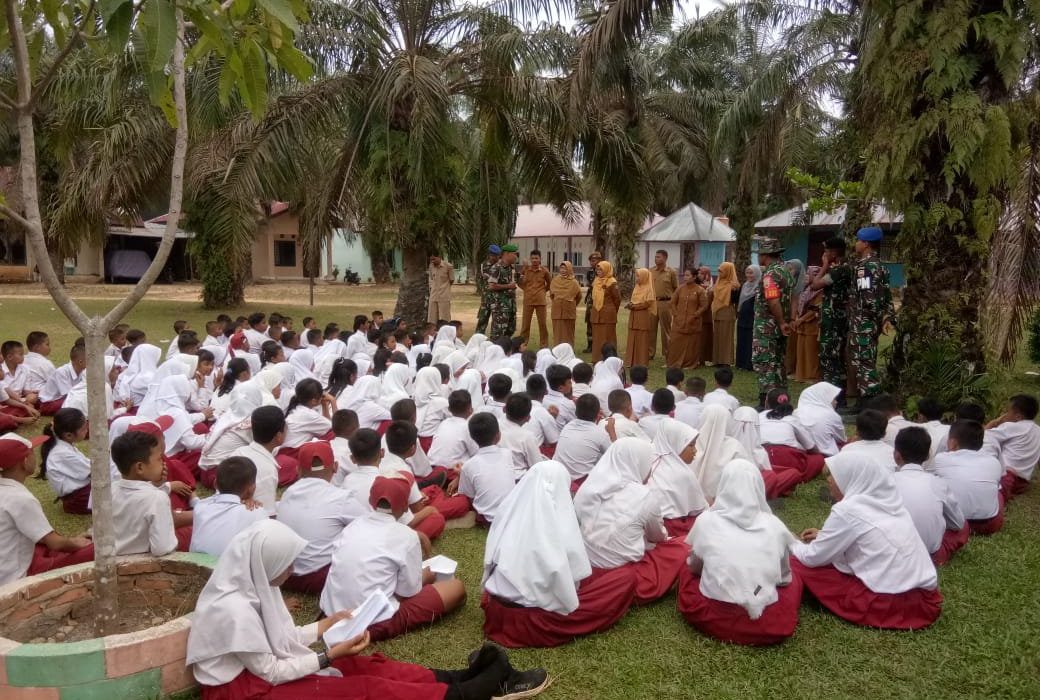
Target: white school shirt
[(38, 370), (495, 408), (341, 451), (690, 411), (359, 483), (564, 404), (931, 504), (255, 339), (60, 382), (878, 450), (579, 389), (221, 670), (641, 399), (677, 393), (623, 427), (651, 423), (895, 424), (266, 491), (784, 431), (451, 443), (303, 425), (542, 425), (317, 511), (22, 525), (418, 464), (217, 519), (974, 479), (142, 518), (940, 433), (723, 398), (487, 478), (229, 442), (628, 536), (68, 469), (374, 553), (114, 352), (15, 381), (1019, 444), (581, 445), (521, 444)]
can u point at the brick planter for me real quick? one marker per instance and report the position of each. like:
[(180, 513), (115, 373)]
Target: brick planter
[(139, 665)]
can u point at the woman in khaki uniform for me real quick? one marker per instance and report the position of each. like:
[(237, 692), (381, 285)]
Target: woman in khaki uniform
[(606, 300), (807, 331), (565, 293), (688, 305), (724, 313), (642, 306)]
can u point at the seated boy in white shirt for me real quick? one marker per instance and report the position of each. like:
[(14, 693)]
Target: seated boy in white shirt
[(344, 424), (889, 407), (217, 519), (1018, 438), (558, 394), (870, 433), (973, 476), (378, 553), (690, 409), (402, 444), (117, 341), (418, 461), (622, 421), (720, 395), (451, 442), (662, 404), (931, 504), (498, 388), (543, 419), (581, 376), (179, 327), (28, 543), (673, 378), (38, 367), (267, 425), (640, 396), (929, 416), (317, 511), (144, 523), (582, 441), (520, 443), (61, 380), (486, 478)]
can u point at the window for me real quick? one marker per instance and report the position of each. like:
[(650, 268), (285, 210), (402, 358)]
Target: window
[(285, 253)]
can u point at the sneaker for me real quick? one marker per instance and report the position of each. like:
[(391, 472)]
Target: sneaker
[(524, 684)]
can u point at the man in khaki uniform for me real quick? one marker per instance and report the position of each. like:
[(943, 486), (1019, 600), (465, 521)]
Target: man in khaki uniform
[(534, 280), (665, 283), (441, 278)]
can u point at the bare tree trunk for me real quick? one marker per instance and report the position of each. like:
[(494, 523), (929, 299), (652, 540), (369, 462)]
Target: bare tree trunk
[(415, 289)]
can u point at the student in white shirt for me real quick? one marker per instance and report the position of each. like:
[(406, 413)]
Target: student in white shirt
[(256, 332), (377, 553), (231, 432), (308, 417), (317, 511), (816, 413), (63, 465), (786, 441), (61, 381), (662, 406), (674, 482), (889, 407), (344, 424), (622, 417), (37, 365), (540, 586), (402, 446), (520, 442), (606, 377), (179, 326), (543, 420), (1017, 437), (250, 639), (673, 377), (929, 414), (690, 409), (217, 519), (870, 431), (582, 441), (116, 341), (132, 385), (868, 551), (486, 478), (267, 427), (720, 395), (364, 400), (640, 396), (499, 386), (430, 404), (738, 586), (560, 382), (28, 543), (973, 476), (581, 376), (451, 442)]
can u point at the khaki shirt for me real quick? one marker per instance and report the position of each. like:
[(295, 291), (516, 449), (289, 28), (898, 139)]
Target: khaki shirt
[(535, 284), (665, 282), (440, 282)]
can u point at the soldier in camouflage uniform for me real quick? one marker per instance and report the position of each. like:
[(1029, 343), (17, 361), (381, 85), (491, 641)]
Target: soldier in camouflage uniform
[(502, 293), (772, 311), (870, 306), (484, 313), (835, 279), (590, 276)]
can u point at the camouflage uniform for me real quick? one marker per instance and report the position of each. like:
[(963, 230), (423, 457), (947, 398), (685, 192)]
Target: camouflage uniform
[(834, 324), (484, 314), (870, 305), (769, 344), (502, 303)]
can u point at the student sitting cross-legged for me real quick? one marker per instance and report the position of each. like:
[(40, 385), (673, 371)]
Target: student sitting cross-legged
[(674, 482), (217, 519), (739, 587), (63, 465), (973, 476), (539, 588), (867, 564), (1017, 438), (378, 553), (486, 478)]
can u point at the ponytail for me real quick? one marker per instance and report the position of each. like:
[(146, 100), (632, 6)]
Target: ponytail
[(234, 368), (306, 391), (67, 421), (344, 373), (268, 351), (779, 404)]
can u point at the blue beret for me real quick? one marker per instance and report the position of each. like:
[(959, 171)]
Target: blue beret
[(494, 249), (870, 234)]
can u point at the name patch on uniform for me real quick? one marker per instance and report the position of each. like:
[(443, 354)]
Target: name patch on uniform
[(770, 287)]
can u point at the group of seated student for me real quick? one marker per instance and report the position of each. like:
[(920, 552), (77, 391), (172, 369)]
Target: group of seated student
[(598, 494)]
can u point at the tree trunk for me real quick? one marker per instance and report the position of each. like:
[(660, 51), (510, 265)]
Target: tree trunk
[(380, 268), (625, 241), (742, 218), (415, 289)]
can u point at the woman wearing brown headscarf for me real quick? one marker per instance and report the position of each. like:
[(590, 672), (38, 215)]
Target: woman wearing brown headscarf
[(606, 300), (565, 293), (642, 306), (688, 305), (724, 313)]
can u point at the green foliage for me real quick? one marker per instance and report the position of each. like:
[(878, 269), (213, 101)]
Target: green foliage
[(824, 196), (1034, 338), (941, 373)]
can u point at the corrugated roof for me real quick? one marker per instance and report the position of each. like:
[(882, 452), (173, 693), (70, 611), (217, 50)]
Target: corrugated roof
[(542, 221), (689, 223), (795, 218)]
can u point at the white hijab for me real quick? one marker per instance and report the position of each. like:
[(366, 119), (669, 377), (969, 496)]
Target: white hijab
[(715, 449), (564, 355), (447, 335), (744, 429), (494, 358), (543, 360), (456, 361), (267, 379), (170, 368), (674, 480), (77, 396), (535, 555), (302, 362), (606, 379), (869, 490), (170, 400), (395, 385), (243, 612), (470, 381), (816, 412), (615, 486), (133, 383), (415, 351), (475, 348), (514, 377), (246, 397), (365, 402), (743, 545)]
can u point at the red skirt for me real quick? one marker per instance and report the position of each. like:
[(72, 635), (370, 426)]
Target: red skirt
[(730, 623), (850, 599), (548, 450), (288, 465), (423, 608), (49, 408), (312, 583), (1011, 485), (679, 527), (952, 541), (992, 525), (783, 457), (7, 423), (48, 559), (208, 478), (451, 507), (603, 599), (383, 425), (178, 470), (657, 571), (364, 678), (77, 502), (432, 525), (576, 484), (183, 535), (781, 482)]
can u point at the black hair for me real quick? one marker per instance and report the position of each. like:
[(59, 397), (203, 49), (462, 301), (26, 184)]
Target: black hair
[(724, 377), (673, 376), (344, 422), (374, 336), (969, 434), (256, 318), (871, 424), (528, 360), (518, 407), (66, 421), (287, 338), (557, 376), (126, 353), (267, 422), (235, 369), (536, 252), (582, 373), (187, 340), (506, 343), (313, 336), (398, 357), (360, 320), (404, 410), (662, 402), (608, 350), (275, 319), (536, 386), (695, 385), (132, 447), (34, 339), (586, 407), (331, 331), (483, 428), (343, 374), (364, 444), (9, 346), (913, 444), (235, 475), (135, 336), (835, 243), (930, 409), (459, 403), (116, 333), (619, 400), (639, 374), (206, 356), (307, 319), (306, 391), (1025, 405), (970, 410), (424, 359), (268, 351), (400, 437), (380, 359), (778, 401), (885, 403)]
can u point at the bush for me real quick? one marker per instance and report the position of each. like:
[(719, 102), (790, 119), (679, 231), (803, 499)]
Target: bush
[(940, 372), (1034, 338)]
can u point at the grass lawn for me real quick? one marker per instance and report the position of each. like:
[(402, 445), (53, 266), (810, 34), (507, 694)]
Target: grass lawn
[(986, 644)]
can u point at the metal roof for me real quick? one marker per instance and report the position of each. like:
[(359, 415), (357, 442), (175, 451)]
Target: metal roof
[(795, 218), (542, 221), (689, 223)]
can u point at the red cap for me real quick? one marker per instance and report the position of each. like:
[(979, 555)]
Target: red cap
[(155, 426), (392, 490), (318, 449), (14, 448), (238, 341)]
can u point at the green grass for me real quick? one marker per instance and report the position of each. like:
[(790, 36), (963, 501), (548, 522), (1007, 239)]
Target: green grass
[(986, 644)]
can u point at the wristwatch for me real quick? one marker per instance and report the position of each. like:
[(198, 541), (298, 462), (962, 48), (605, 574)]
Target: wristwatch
[(323, 660)]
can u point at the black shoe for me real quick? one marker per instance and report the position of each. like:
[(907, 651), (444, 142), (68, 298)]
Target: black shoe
[(524, 684), (440, 480), (485, 655)]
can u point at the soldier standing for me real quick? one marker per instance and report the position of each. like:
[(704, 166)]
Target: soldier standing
[(502, 293), (870, 306), (835, 279), (772, 309), (590, 276), (484, 313)]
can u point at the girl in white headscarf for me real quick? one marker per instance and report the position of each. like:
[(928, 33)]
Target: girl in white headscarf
[(494, 360), (269, 380), (540, 587), (396, 385), (816, 414), (543, 360), (364, 401), (246, 645), (715, 448), (475, 348), (564, 355), (744, 429), (469, 381), (739, 587), (457, 363), (430, 405), (302, 363), (133, 383), (447, 335), (231, 431), (171, 400), (674, 481), (621, 522), (606, 378), (867, 564), (77, 396)]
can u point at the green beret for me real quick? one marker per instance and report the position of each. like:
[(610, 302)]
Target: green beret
[(510, 248)]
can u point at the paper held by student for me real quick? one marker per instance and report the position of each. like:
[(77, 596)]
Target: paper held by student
[(376, 608), (442, 566)]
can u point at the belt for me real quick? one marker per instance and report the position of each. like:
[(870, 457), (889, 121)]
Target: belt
[(664, 298)]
